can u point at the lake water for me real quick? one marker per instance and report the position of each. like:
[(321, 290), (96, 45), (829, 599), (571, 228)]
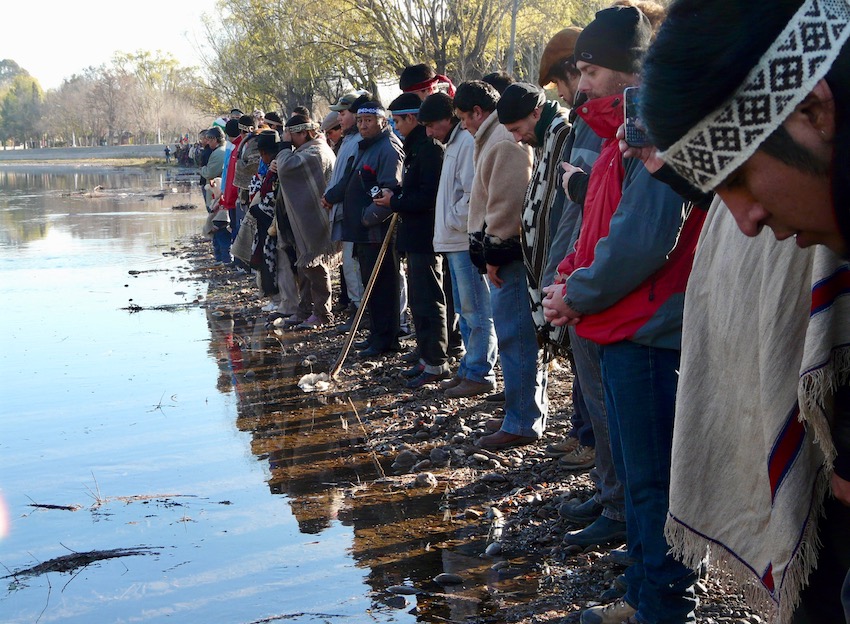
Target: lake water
[(241, 496)]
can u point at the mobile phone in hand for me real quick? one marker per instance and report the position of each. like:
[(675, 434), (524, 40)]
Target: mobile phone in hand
[(635, 136)]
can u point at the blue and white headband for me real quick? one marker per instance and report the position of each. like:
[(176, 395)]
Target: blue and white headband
[(794, 63)]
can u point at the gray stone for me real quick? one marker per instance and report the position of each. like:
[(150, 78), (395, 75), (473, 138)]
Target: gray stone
[(426, 479), (447, 578)]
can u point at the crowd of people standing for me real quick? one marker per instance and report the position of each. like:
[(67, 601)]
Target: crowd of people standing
[(715, 418)]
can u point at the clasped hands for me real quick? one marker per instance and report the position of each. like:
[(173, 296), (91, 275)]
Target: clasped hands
[(555, 310)]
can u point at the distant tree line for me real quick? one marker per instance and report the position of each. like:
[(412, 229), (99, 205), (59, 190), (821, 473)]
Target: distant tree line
[(139, 98)]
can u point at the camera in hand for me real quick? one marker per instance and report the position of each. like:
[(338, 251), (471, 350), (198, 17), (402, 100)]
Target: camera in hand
[(376, 192)]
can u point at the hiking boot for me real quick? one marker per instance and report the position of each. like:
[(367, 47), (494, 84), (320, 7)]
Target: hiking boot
[(582, 458), (581, 513), (469, 388), (426, 378), (614, 613), (601, 531), (564, 447)]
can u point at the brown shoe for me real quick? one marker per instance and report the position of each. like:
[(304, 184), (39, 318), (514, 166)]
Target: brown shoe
[(493, 424), (469, 388), (503, 439), (450, 383), (564, 447)]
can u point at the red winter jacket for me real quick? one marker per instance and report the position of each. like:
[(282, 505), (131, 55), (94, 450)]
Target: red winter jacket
[(635, 249), (228, 198)]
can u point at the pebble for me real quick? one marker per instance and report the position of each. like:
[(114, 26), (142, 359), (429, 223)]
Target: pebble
[(406, 458), (396, 602), (422, 465), (493, 550), (447, 578), (479, 457), (472, 514), (403, 590), (495, 512), (700, 588), (499, 565), (426, 479), (249, 374), (438, 456), (493, 477), (422, 435)]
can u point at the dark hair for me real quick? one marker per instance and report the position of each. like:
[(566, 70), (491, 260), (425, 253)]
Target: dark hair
[(500, 80), (246, 120), (301, 110), (436, 107), (476, 93), (564, 69), (414, 74), (406, 101), (702, 53)]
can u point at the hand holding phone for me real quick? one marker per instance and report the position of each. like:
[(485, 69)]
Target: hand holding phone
[(635, 135)]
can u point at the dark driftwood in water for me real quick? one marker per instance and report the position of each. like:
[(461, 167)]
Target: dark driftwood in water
[(184, 207), (59, 507), (69, 563)]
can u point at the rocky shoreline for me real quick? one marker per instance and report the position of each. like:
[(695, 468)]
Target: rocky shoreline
[(508, 500)]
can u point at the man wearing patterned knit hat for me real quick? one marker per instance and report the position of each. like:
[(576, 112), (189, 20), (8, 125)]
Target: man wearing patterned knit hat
[(762, 116)]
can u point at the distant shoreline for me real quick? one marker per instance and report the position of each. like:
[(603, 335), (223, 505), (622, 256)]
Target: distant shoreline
[(146, 153)]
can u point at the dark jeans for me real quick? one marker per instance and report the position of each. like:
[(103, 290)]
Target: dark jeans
[(383, 304), (640, 396), (820, 601), (427, 303)]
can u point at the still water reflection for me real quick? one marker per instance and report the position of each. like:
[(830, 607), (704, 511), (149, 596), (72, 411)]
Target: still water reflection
[(151, 428)]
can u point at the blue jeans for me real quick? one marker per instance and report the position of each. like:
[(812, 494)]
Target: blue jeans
[(640, 395), (582, 430), (471, 295), (526, 403), (221, 246), (609, 489)]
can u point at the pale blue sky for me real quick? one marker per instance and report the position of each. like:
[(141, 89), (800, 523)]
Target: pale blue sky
[(69, 36)]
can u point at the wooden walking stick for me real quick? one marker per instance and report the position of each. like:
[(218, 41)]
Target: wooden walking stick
[(346, 347)]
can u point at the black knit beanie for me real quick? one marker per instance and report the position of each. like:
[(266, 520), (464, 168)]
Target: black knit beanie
[(231, 128), (617, 39), (436, 107), (518, 101)]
